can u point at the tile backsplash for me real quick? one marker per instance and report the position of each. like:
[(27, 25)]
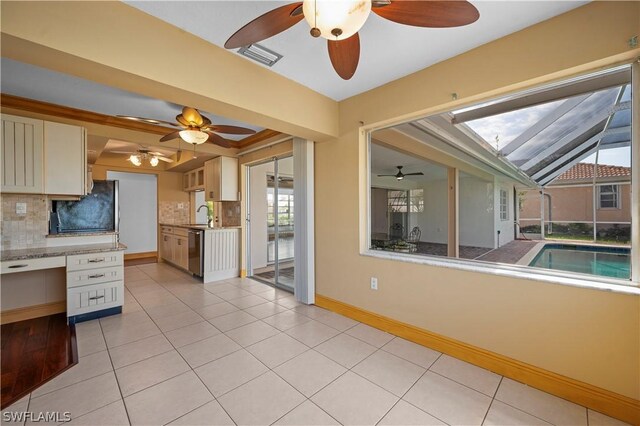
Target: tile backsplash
[(230, 213), (24, 230), (173, 212)]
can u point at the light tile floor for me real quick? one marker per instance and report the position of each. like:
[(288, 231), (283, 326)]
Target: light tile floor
[(241, 352)]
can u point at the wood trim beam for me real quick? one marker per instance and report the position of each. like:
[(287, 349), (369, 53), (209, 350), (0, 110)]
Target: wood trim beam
[(602, 400), (260, 136), (36, 311), (24, 104)]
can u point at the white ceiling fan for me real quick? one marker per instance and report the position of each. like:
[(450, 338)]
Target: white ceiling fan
[(144, 154)]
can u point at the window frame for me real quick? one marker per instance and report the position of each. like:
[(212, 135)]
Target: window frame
[(624, 286), (616, 193), (505, 217)]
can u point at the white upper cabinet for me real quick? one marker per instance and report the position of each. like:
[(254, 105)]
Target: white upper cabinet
[(42, 157), (65, 159), (221, 179), (22, 155)]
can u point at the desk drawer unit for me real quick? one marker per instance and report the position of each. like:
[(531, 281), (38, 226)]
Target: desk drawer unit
[(13, 266), (94, 276), (94, 260), (97, 297), (95, 285)]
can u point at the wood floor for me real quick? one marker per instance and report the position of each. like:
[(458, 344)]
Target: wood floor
[(33, 352)]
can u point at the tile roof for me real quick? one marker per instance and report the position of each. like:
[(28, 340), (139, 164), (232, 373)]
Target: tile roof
[(585, 171)]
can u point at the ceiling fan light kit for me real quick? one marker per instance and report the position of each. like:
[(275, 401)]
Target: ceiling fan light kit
[(195, 137), (196, 128), (336, 19), (340, 20)]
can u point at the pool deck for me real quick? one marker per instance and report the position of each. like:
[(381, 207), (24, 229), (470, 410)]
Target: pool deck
[(516, 252)]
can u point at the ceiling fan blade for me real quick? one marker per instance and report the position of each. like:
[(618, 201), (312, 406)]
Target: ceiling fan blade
[(205, 121), (345, 55), (386, 175), (414, 174), (231, 130), (172, 135), (265, 26), (218, 140), (122, 152), (165, 159), (192, 116), (432, 13), (148, 120)]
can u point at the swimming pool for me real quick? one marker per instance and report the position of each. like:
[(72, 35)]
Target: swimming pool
[(614, 262)]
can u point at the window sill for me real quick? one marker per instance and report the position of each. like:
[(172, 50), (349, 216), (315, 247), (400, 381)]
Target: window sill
[(514, 271)]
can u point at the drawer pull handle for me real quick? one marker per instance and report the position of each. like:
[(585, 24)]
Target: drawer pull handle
[(96, 276), (22, 265), (96, 297), (96, 260)]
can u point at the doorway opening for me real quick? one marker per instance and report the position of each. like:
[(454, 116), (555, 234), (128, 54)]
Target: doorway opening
[(271, 222)]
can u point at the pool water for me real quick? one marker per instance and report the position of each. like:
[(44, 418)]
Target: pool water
[(614, 262)]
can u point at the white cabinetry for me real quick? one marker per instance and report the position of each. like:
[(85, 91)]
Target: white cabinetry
[(221, 254), (94, 282), (221, 179), (42, 157), (65, 159), (22, 155)]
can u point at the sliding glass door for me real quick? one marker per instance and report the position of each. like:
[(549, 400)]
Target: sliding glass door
[(271, 214)]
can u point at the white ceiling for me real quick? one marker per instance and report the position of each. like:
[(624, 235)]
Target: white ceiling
[(388, 50), (385, 161), (28, 81)]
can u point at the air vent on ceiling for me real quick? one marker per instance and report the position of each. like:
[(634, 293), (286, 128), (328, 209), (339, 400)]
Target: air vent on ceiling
[(260, 54)]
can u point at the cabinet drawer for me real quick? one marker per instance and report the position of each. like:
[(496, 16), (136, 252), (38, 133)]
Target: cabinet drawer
[(182, 232), (81, 300), (94, 276), (33, 264), (95, 260), (166, 229)]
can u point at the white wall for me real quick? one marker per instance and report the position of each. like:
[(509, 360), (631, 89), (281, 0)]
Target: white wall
[(433, 222), (477, 209), (138, 201)]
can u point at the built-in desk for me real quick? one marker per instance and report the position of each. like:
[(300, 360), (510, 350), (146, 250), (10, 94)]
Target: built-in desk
[(85, 281)]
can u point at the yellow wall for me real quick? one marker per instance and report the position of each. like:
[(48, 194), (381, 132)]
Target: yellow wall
[(588, 335), (585, 334)]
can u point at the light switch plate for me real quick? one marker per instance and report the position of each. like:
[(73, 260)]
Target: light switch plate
[(21, 208)]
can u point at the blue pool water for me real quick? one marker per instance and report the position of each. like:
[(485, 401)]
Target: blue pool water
[(612, 262)]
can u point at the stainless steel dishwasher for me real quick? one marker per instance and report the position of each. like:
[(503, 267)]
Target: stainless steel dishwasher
[(196, 250)]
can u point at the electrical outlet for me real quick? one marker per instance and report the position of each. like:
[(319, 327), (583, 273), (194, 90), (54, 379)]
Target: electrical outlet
[(374, 283), (21, 208)]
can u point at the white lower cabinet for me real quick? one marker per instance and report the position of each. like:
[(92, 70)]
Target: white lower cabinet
[(91, 298), (94, 282)]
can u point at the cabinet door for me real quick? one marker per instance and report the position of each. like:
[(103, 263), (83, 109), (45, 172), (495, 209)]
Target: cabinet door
[(166, 247), (65, 159), (212, 171), (228, 179), (22, 155), (182, 252), (90, 298)]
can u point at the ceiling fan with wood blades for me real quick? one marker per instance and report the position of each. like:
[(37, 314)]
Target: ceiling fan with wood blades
[(401, 175), (340, 20), (195, 128), (136, 157)]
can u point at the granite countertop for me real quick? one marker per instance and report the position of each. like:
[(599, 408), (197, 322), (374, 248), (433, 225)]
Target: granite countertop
[(200, 227), (40, 252), (81, 234)]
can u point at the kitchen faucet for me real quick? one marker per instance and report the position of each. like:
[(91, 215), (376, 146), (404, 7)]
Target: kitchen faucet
[(209, 215)]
